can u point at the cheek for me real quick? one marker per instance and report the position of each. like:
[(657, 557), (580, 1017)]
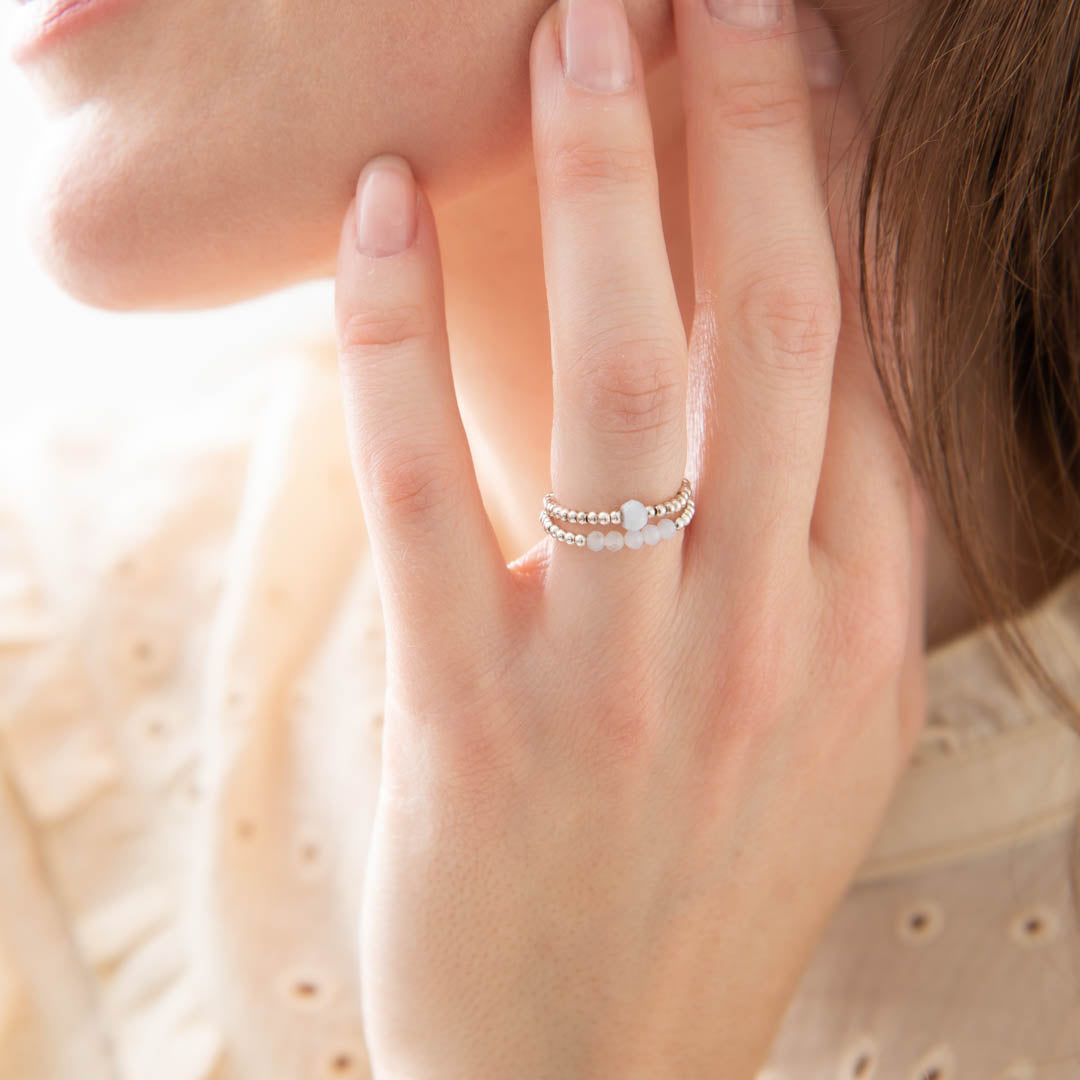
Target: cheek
[(220, 164)]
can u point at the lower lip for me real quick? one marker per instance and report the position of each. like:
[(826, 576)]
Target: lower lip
[(42, 23)]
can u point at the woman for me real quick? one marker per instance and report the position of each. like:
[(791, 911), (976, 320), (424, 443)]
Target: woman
[(304, 784)]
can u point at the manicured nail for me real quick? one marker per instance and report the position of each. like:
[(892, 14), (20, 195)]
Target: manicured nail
[(385, 207), (820, 49), (749, 14), (596, 45)]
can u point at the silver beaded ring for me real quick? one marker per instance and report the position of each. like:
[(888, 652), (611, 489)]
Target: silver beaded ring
[(635, 517)]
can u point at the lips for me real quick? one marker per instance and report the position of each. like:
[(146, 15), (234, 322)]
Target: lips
[(44, 24)]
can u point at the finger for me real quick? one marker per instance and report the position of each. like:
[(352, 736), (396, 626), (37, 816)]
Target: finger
[(862, 513), (913, 686), (767, 312), (434, 550), (618, 342)]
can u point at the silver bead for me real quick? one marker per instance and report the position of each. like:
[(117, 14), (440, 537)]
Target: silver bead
[(679, 523), (651, 511), (592, 517), (616, 517), (579, 540), (603, 518), (559, 534)]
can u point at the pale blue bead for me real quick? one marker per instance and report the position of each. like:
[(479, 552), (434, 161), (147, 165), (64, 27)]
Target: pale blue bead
[(595, 540), (666, 527), (633, 539), (651, 535), (613, 541)]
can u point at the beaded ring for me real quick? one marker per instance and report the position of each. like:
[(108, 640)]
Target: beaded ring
[(635, 517)]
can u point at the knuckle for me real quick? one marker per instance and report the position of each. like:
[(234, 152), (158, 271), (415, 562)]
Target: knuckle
[(383, 328), (764, 106), (627, 718), (407, 482), (633, 390), (642, 402), (580, 168), (794, 318)]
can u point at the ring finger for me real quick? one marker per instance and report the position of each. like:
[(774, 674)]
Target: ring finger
[(618, 344), (768, 304)]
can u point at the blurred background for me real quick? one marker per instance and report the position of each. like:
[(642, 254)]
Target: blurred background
[(58, 354)]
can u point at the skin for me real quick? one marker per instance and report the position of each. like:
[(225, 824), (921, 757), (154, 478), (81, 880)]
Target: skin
[(200, 153), (549, 848), (621, 794)]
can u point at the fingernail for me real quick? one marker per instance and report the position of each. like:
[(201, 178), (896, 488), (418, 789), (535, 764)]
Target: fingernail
[(385, 208), (596, 45), (820, 49), (749, 14)]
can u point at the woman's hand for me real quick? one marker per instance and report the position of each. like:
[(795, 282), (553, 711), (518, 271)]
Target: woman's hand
[(623, 791)]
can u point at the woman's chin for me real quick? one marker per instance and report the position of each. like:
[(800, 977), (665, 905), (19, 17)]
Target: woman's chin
[(121, 228)]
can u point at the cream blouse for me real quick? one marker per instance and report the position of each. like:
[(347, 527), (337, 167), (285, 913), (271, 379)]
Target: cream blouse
[(191, 686)]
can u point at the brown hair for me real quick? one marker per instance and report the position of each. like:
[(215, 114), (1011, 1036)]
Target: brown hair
[(970, 212)]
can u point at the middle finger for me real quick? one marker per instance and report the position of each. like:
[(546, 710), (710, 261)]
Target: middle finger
[(618, 341)]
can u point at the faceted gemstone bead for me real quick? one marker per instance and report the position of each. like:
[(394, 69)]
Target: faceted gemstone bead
[(595, 540), (634, 515), (651, 534), (633, 539), (666, 527), (613, 541)]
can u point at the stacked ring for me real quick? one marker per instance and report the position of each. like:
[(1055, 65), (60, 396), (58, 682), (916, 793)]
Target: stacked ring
[(635, 517)]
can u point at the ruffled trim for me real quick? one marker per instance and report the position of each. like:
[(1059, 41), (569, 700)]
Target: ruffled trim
[(994, 766)]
